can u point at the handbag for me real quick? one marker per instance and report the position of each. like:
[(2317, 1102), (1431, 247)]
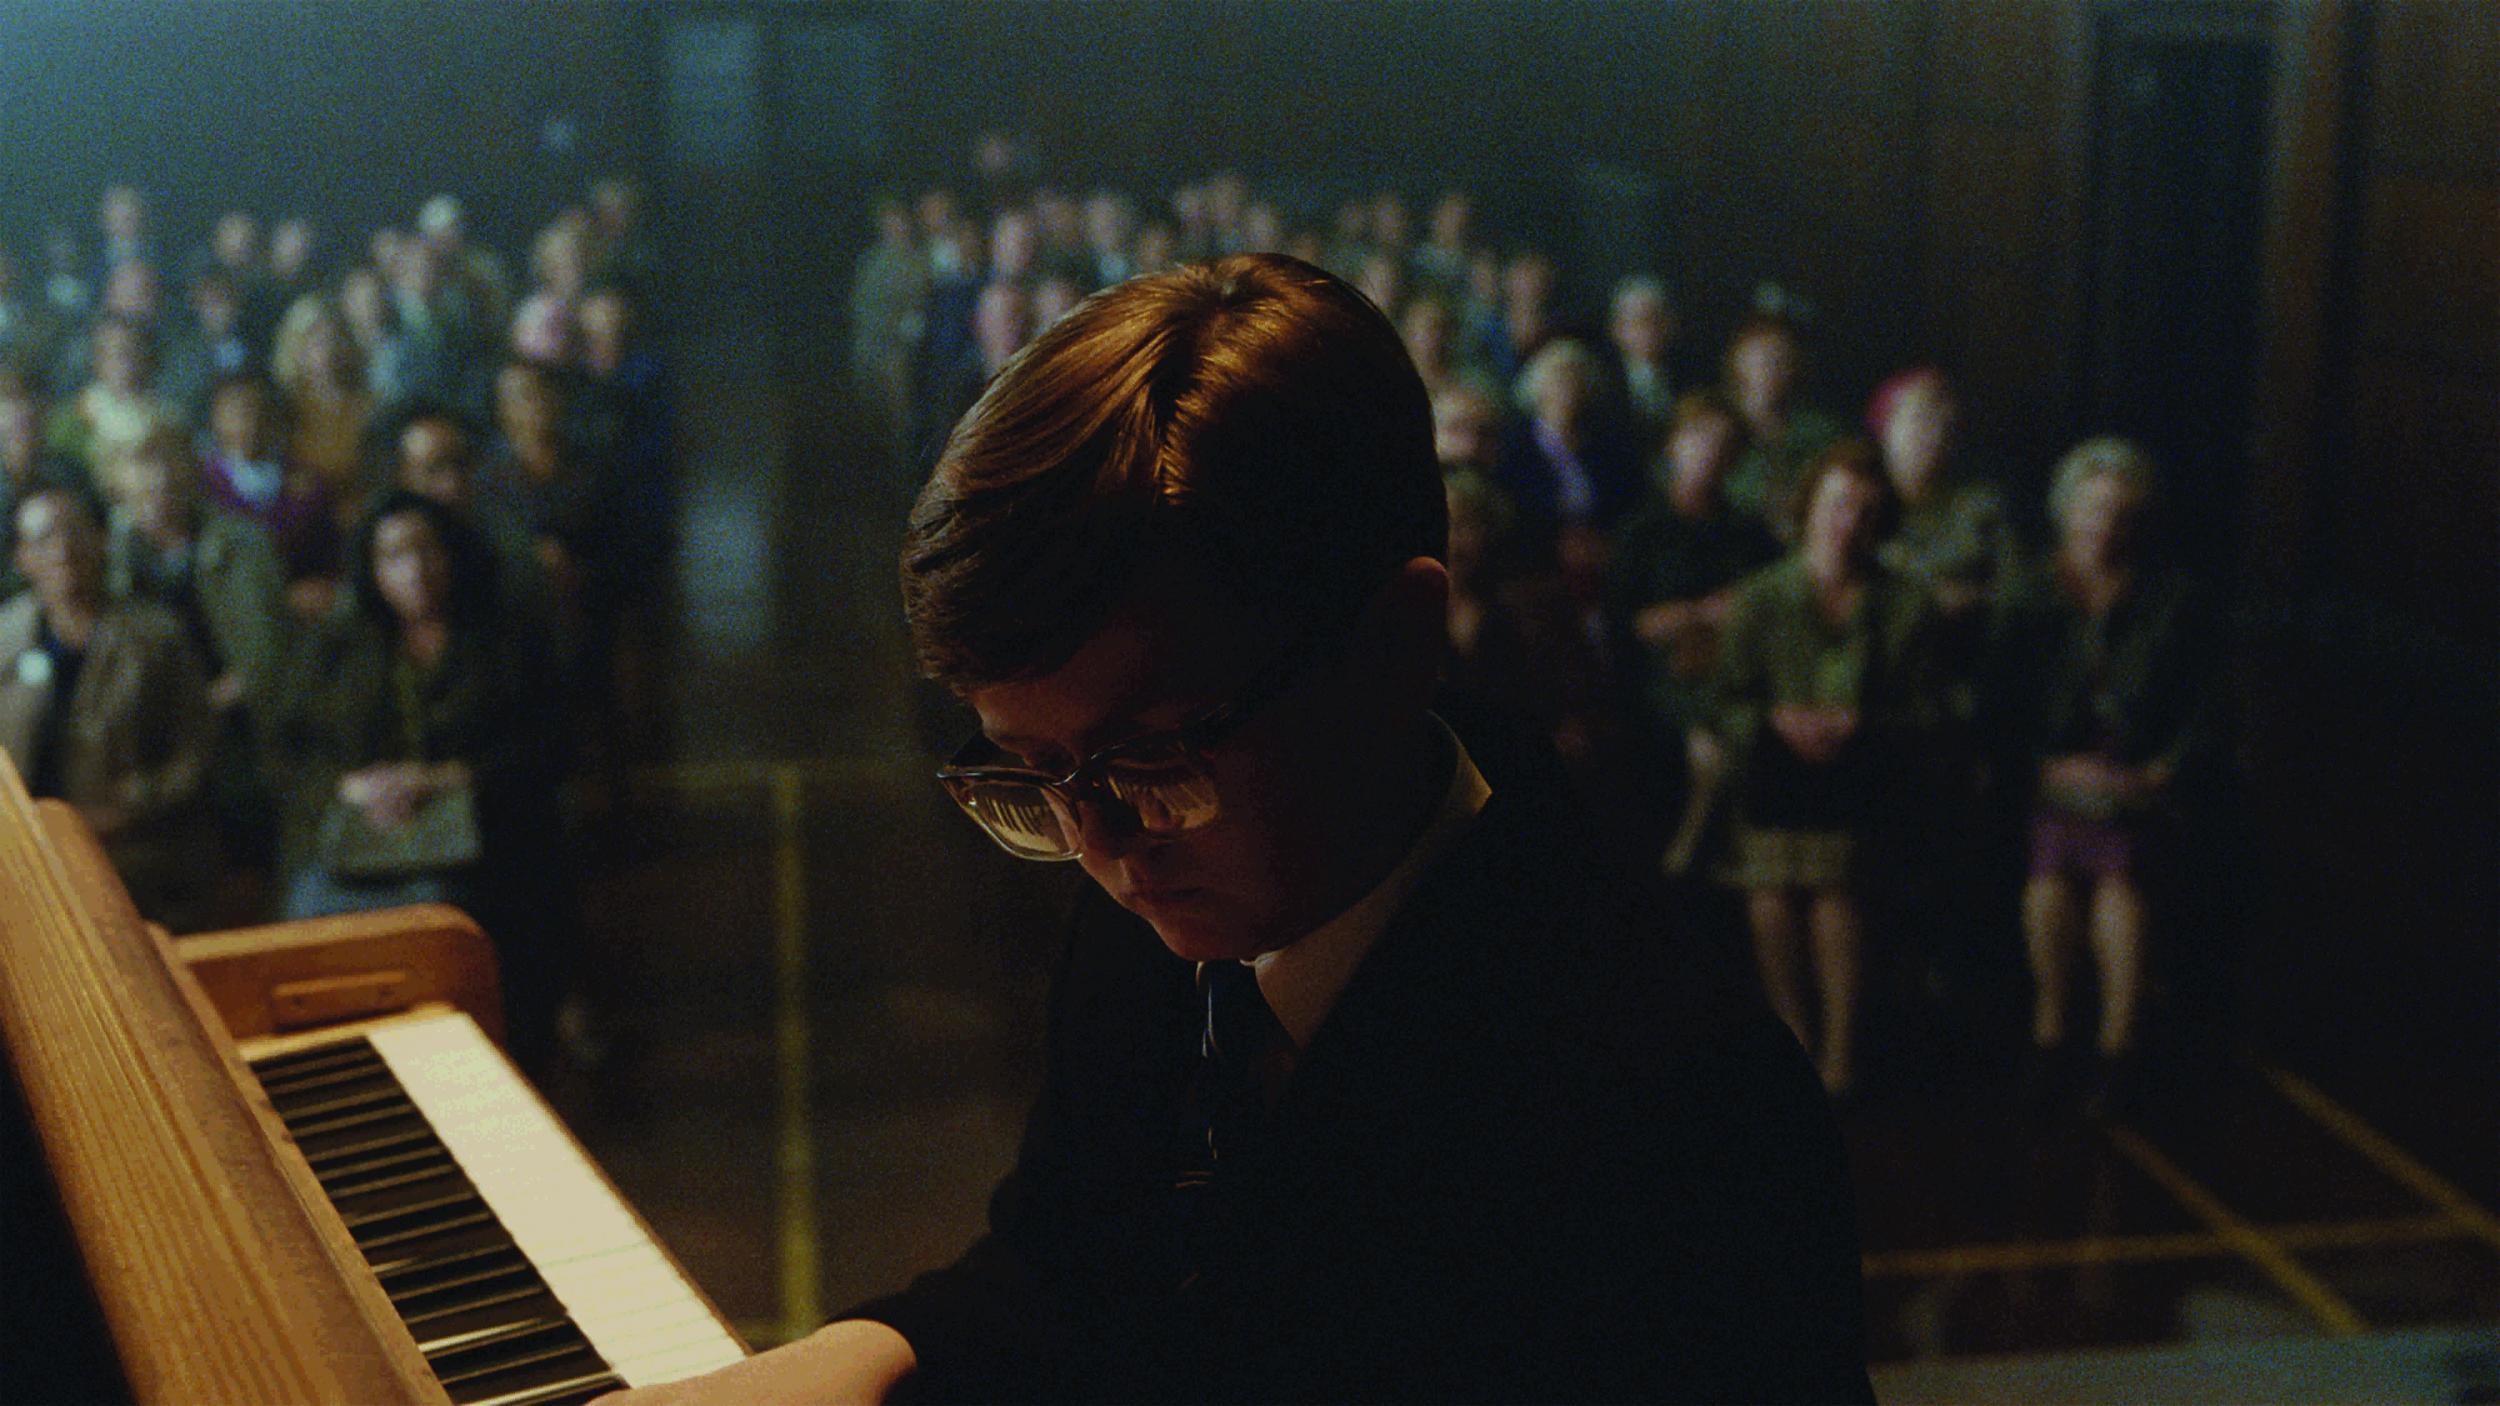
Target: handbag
[(440, 835)]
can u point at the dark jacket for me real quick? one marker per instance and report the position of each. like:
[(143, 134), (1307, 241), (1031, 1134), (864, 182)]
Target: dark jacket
[(1547, 1146), (488, 703), (2135, 684)]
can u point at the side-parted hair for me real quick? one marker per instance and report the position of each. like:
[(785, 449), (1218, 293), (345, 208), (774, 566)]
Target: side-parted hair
[(1254, 416)]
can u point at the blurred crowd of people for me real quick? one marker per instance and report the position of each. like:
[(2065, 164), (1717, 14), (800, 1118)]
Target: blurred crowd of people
[(324, 567), (1793, 647)]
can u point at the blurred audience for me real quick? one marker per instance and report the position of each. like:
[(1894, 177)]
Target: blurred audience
[(1767, 654), (104, 705)]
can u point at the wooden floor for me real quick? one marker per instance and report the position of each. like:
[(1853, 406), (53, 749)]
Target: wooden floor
[(817, 994)]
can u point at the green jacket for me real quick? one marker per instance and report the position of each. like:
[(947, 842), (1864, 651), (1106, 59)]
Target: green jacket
[(1765, 476), (1778, 650), (240, 585)]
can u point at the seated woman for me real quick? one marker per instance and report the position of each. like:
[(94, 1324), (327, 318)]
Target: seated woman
[(1824, 694), (103, 704), (2109, 661), (418, 751)]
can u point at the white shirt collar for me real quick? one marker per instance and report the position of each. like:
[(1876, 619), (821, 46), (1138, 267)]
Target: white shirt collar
[(1302, 980)]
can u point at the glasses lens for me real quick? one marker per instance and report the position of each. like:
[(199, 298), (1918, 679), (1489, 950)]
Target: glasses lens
[(1168, 792), (1026, 820)]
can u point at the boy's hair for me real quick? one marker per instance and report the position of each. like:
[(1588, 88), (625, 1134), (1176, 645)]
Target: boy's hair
[(1253, 415)]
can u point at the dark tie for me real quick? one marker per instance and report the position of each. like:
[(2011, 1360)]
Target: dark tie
[(1244, 1053)]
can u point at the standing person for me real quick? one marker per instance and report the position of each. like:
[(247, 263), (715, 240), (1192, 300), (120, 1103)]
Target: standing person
[(2111, 659), (419, 756), (216, 572), (111, 414), (1825, 688), (219, 575), (1670, 588), (103, 704), (1366, 1081), (889, 288), (1957, 539), (1766, 372), (1641, 324), (332, 406)]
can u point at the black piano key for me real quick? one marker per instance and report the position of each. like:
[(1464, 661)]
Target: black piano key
[(464, 1284), (391, 1235), (414, 1259), (488, 1324), (547, 1342), (565, 1391), (321, 1105), (295, 1062), (526, 1380), (464, 1307), (315, 1076), (326, 1149), (425, 1203), (362, 1120), (377, 1173)]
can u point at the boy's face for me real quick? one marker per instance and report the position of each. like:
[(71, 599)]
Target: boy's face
[(1252, 879)]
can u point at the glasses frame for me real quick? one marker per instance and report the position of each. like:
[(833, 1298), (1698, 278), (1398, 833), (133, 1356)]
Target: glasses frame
[(1196, 739)]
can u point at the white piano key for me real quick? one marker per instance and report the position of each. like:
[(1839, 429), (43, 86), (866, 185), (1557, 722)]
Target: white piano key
[(620, 1289)]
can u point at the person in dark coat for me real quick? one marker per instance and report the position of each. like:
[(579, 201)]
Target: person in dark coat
[(1367, 1080)]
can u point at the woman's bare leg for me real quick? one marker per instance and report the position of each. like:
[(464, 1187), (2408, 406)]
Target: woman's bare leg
[(2118, 951), (1776, 940), (1838, 937), (2050, 921)]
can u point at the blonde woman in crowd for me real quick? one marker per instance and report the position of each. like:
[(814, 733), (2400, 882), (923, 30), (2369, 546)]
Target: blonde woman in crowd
[(2109, 656)]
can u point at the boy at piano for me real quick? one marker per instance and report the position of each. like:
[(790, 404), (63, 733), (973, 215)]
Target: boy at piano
[(1367, 1078)]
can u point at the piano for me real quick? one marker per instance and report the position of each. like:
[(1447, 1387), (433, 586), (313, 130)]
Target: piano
[(292, 1164)]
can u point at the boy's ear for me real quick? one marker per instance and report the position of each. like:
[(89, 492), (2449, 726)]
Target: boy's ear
[(1405, 628)]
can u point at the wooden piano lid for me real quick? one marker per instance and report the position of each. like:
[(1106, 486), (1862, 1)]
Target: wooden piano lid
[(216, 1280)]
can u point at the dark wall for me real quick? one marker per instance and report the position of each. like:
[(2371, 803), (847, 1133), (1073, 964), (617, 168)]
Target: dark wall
[(2414, 513), (352, 111)]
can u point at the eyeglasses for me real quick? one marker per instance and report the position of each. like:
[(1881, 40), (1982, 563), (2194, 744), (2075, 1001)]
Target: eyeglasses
[(1163, 780)]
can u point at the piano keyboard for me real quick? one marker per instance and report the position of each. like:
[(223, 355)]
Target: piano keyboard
[(523, 1278)]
